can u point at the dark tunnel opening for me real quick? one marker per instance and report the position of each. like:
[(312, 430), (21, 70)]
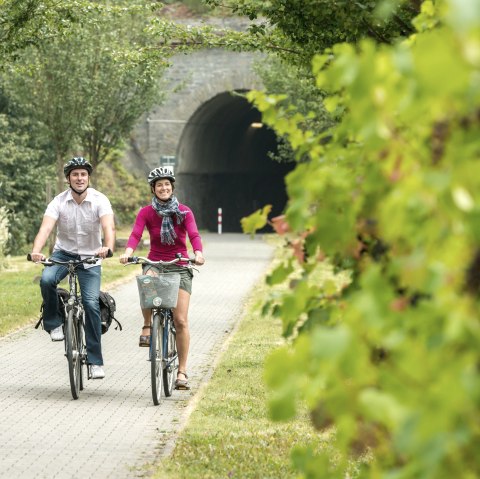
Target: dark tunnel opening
[(223, 162)]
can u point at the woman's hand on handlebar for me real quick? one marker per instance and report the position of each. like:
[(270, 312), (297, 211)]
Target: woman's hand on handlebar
[(199, 259), (123, 258), (126, 254)]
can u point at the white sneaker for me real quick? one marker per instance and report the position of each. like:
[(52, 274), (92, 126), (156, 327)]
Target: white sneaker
[(96, 371), (57, 334)]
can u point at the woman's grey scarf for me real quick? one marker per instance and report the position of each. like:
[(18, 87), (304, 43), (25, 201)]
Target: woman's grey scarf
[(166, 210)]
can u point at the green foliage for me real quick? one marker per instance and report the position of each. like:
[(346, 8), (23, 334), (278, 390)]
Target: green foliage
[(126, 192), (24, 174), (123, 82), (298, 29), (298, 83), (196, 6), (90, 88), (392, 358), (30, 22), (256, 220)]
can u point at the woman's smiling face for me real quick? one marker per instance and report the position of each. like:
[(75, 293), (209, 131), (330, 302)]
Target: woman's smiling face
[(163, 189)]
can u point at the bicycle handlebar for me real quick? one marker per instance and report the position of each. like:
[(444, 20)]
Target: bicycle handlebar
[(142, 260), (90, 260)]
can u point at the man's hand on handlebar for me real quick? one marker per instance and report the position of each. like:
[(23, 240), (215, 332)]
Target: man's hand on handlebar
[(104, 252), (37, 257)]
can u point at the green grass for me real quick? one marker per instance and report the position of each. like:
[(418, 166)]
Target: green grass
[(20, 297), (229, 434)]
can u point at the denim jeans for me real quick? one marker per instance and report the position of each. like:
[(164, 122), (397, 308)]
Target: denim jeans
[(89, 280)]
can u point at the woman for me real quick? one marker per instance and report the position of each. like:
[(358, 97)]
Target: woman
[(168, 223)]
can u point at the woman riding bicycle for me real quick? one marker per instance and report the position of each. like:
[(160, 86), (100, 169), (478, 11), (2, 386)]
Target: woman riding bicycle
[(168, 223)]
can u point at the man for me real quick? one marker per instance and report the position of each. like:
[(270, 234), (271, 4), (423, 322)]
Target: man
[(80, 213)]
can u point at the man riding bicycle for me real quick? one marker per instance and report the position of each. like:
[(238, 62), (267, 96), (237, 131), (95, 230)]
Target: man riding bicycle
[(80, 213)]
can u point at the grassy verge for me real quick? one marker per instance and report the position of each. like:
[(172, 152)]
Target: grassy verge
[(229, 434), (20, 297)]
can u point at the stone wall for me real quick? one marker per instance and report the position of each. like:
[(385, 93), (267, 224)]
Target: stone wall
[(222, 156)]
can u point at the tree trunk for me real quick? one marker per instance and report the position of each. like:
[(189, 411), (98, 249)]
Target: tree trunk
[(59, 168)]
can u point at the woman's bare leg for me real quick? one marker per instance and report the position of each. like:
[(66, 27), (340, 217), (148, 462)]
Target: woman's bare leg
[(180, 317)]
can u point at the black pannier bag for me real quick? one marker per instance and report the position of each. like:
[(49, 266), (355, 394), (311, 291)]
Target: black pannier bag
[(63, 296), (107, 309)]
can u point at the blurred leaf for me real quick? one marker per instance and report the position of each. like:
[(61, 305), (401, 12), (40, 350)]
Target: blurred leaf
[(255, 221), (382, 407), (279, 274)]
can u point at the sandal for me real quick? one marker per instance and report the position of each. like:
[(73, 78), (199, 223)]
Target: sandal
[(144, 341), (182, 383)]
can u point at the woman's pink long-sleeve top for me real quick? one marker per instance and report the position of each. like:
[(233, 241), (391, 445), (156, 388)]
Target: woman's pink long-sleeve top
[(148, 217)]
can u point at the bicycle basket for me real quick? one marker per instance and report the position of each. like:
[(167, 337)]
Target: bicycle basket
[(164, 286)]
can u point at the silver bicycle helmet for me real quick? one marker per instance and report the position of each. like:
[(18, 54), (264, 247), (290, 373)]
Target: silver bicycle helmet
[(77, 163), (161, 172)]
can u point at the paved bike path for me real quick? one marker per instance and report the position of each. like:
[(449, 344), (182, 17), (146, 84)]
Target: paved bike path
[(113, 430)]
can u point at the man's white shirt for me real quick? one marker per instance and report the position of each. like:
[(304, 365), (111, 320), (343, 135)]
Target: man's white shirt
[(78, 225)]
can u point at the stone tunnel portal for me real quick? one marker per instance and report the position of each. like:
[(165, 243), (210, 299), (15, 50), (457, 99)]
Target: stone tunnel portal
[(223, 162)]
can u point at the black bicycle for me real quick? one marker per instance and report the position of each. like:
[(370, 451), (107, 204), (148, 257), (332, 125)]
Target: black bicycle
[(74, 326), (160, 293)]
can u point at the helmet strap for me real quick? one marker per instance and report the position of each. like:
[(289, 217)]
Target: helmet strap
[(79, 193)]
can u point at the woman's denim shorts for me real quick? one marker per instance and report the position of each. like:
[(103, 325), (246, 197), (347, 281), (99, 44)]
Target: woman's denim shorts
[(186, 274)]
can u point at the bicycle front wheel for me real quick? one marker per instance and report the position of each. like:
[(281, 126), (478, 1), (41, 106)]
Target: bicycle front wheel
[(170, 353), (82, 348), (73, 356), (156, 354)]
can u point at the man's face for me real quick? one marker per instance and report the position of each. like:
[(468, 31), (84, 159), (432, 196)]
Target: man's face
[(78, 180)]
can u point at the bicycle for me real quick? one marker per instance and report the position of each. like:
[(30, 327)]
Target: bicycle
[(159, 293), (74, 338)]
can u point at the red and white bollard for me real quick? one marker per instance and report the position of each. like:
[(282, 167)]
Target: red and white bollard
[(219, 221)]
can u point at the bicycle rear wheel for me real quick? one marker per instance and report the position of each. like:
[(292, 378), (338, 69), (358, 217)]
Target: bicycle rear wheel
[(156, 354), (170, 353), (73, 357)]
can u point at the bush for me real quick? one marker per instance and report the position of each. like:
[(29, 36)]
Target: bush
[(24, 174), (127, 192)]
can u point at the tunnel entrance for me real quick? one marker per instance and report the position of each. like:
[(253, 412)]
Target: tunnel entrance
[(223, 162)]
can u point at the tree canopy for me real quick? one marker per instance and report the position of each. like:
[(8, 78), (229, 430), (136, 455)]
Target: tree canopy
[(77, 71)]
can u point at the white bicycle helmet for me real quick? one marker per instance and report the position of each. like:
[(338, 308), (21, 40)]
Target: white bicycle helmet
[(161, 172)]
